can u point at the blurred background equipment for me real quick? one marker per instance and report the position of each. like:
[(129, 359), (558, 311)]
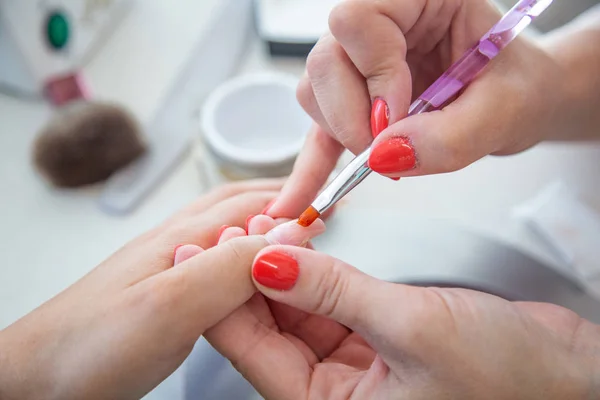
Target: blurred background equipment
[(214, 58), (86, 142), (44, 39), (292, 27)]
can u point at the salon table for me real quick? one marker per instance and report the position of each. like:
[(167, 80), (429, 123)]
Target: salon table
[(51, 238)]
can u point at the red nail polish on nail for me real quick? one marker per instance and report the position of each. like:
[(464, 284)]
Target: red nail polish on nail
[(276, 270), (380, 117), (267, 207), (221, 230), (392, 156), (248, 221)]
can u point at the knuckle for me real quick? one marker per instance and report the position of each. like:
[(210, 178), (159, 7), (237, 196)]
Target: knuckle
[(326, 52), (331, 288), (318, 61), (347, 17), (305, 95)]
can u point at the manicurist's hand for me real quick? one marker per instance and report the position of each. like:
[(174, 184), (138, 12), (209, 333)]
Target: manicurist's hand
[(321, 329), (384, 54), (129, 323)]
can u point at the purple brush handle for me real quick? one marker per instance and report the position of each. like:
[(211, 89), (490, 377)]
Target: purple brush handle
[(475, 59)]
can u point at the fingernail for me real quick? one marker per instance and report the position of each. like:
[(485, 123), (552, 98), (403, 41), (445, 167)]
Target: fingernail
[(290, 233), (221, 230), (392, 156), (276, 270), (248, 221), (380, 117), (268, 206), (177, 248)]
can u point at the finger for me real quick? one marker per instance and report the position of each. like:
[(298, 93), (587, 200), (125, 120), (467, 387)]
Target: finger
[(376, 45), (254, 348), (227, 191), (319, 284), (341, 93), (185, 252), (215, 282), (231, 233), (260, 224), (478, 123), (202, 229), (322, 335), (308, 101), (311, 170)]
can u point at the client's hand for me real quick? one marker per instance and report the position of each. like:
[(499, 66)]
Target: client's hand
[(324, 330), (129, 323)]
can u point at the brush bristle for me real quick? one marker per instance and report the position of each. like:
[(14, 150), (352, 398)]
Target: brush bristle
[(309, 216)]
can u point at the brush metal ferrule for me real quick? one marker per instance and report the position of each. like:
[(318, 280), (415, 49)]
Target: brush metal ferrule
[(352, 174)]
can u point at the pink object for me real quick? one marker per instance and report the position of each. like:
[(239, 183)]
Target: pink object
[(66, 88), (475, 59)]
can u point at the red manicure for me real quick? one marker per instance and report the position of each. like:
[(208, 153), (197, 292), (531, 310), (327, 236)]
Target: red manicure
[(221, 230), (267, 207), (392, 156), (380, 117), (248, 221), (276, 270)]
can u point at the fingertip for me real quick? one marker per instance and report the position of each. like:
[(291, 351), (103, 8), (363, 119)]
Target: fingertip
[(260, 224), (185, 251), (291, 233), (231, 233), (248, 220), (265, 210)]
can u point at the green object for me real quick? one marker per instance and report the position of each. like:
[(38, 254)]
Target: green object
[(57, 30)]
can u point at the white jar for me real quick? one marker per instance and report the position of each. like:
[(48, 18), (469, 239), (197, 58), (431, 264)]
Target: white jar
[(252, 126)]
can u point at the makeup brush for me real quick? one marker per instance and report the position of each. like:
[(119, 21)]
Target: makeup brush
[(461, 73), (85, 143)]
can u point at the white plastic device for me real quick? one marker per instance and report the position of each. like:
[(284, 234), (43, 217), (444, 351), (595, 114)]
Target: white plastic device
[(292, 27), (30, 52), (213, 60)]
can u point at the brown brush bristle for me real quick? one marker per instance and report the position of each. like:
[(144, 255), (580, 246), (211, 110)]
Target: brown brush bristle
[(309, 216)]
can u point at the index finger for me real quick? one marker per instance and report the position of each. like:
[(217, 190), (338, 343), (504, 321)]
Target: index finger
[(316, 161)]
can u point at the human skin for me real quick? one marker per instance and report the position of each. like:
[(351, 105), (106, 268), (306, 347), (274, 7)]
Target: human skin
[(392, 50), (129, 323), (321, 329)]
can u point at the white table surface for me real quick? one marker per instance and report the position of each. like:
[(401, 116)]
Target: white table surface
[(51, 238)]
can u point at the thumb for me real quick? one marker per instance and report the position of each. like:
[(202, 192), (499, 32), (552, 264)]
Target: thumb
[(478, 123), (212, 284), (320, 284)]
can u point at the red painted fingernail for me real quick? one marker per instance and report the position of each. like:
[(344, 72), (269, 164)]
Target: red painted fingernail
[(276, 270), (380, 117), (221, 230), (248, 221), (267, 207), (392, 156)]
